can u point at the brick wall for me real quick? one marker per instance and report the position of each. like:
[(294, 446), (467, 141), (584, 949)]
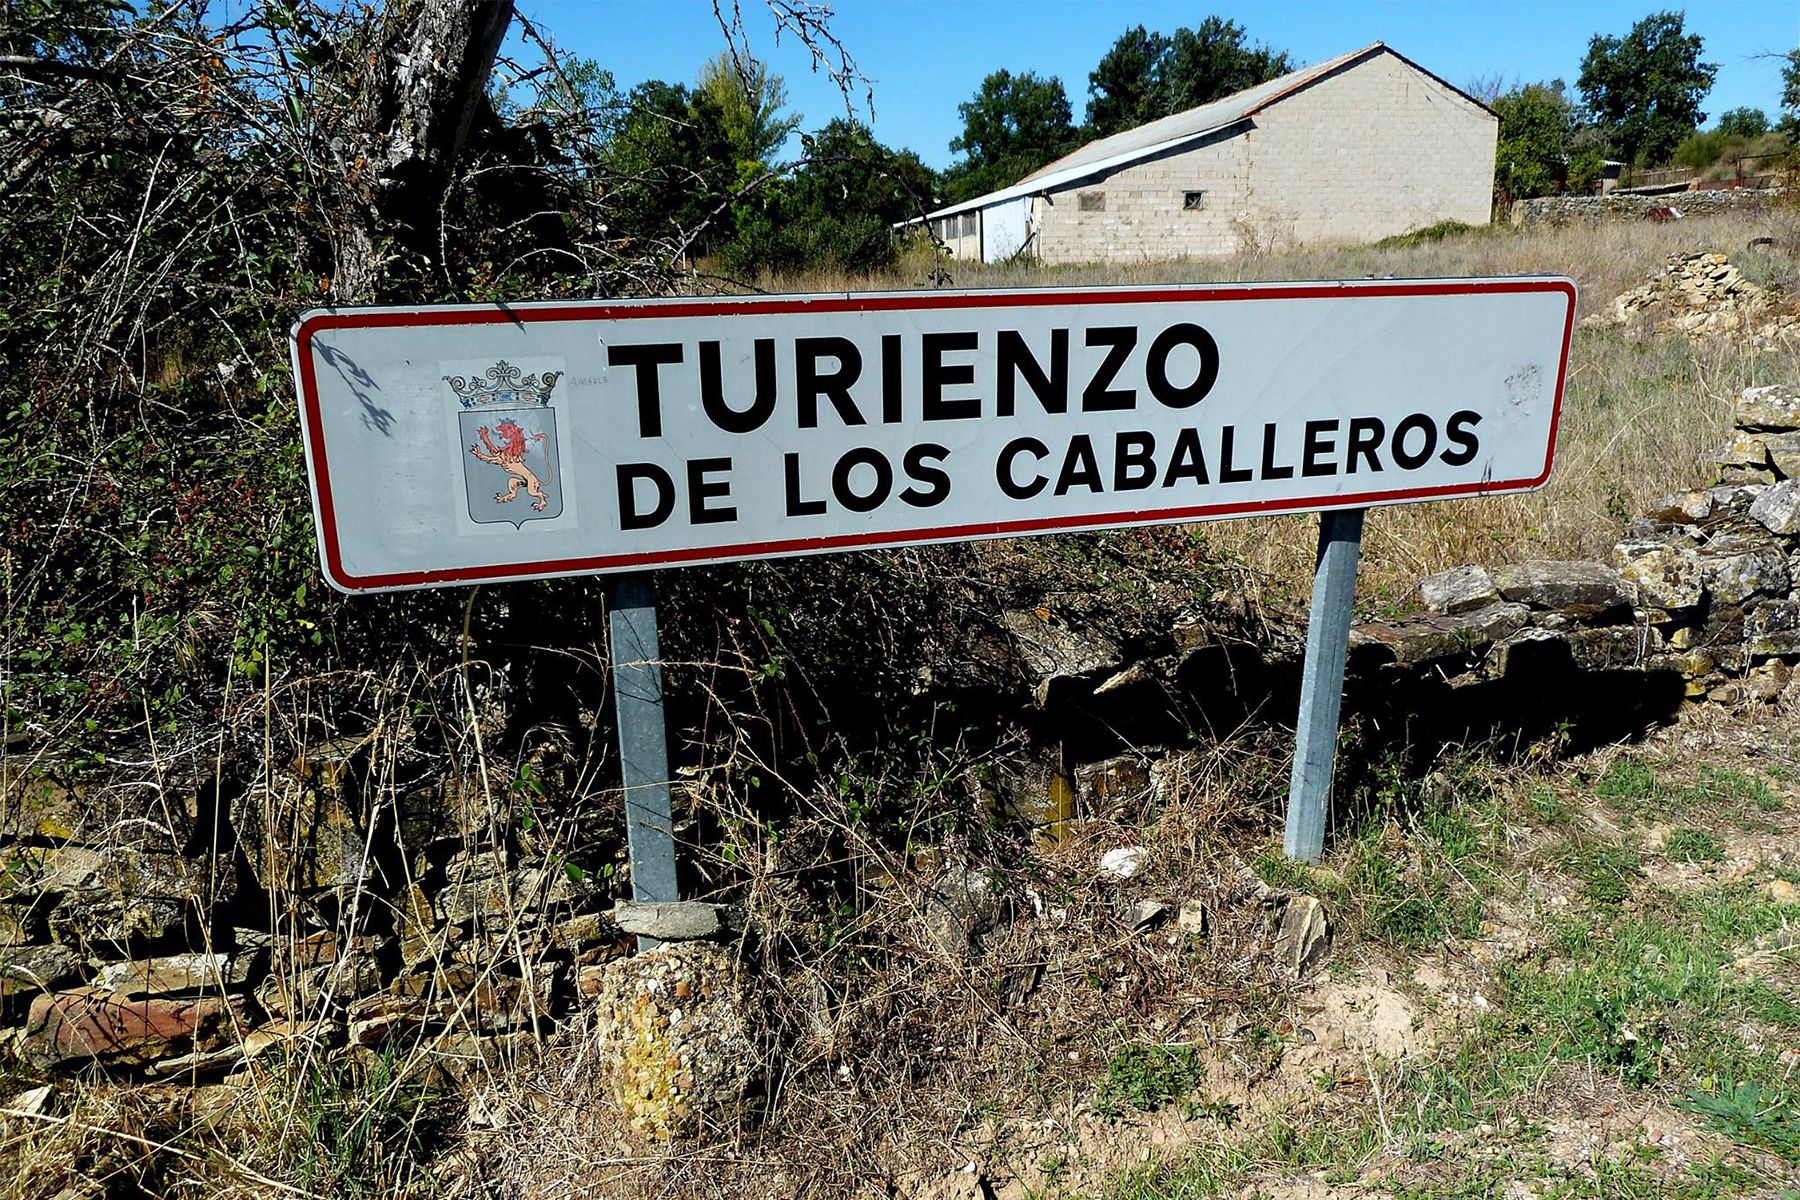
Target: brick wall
[(1143, 215), (1373, 150)]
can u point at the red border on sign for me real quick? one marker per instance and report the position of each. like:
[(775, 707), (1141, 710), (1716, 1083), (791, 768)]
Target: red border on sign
[(604, 310)]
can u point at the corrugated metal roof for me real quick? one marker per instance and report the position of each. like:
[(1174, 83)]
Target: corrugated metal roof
[(1109, 153)]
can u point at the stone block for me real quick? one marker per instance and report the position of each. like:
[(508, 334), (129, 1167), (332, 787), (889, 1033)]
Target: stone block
[(1613, 646), (1784, 452), (1745, 449), (1431, 638), (1682, 508), (298, 836), (1735, 569), (176, 974), (1773, 628), (26, 970), (1667, 576), (1777, 509), (1458, 590), (102, 924), (92, 1024), (40, 808), (1113, 787), (1774, 407), (674, 921), (1051, 650), (1548, 584)]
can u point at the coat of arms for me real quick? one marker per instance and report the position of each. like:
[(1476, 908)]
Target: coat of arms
[(509, 427)]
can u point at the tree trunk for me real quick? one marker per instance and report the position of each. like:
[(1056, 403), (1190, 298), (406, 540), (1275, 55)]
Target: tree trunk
[(424, 86)]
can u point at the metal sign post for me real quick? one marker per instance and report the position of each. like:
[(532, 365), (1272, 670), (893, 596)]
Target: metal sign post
[(643, 742), (1322, 682)]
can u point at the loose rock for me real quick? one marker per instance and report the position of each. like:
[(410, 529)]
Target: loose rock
[(1304, 937)]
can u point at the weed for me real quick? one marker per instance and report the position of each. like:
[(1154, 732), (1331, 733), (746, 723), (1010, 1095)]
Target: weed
[(1547, 804), (1147, 1077), (1433, 233), (1748, 1116)]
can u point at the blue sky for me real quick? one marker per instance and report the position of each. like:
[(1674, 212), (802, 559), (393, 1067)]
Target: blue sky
[(924, 57)]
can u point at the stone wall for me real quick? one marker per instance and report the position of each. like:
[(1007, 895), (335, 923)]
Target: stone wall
[(1705, 588), (1565, 210), (172, 928)]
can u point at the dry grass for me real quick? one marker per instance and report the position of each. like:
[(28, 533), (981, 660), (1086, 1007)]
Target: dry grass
[(894, 1051), (1642, 416)]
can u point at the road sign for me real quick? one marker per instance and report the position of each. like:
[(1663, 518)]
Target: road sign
[(479, 443)]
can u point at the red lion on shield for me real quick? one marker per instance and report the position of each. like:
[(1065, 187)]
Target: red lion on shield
[(509, 456)]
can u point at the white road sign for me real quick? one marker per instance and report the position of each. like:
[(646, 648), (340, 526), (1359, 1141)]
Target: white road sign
[(476, 443)]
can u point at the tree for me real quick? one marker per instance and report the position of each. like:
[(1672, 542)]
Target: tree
[(749, 101), (1744, 123), (837, 210), (1645, 89), (1012, 126), (1126, 88), (1532, 158), (1790, 93), (1212, 61), (1147, 75), (670, 164)]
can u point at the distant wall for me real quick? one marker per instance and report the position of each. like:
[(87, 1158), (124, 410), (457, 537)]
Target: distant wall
[(1564, 210)]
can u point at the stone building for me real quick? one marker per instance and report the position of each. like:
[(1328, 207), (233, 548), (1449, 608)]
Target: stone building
[(1351, 150)]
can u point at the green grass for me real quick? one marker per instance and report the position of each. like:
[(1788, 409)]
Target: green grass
[(1607, 871), (1746, 1115), (1202, 1173), (1626, 779), (1633, 787), (1676, 994), (1691, 845)]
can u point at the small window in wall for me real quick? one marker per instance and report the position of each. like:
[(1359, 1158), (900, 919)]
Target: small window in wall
[(969, 219), (1090, 201), (946, 229), (1193, 201)]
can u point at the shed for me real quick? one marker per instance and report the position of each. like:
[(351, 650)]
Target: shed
[(1362, 147)]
